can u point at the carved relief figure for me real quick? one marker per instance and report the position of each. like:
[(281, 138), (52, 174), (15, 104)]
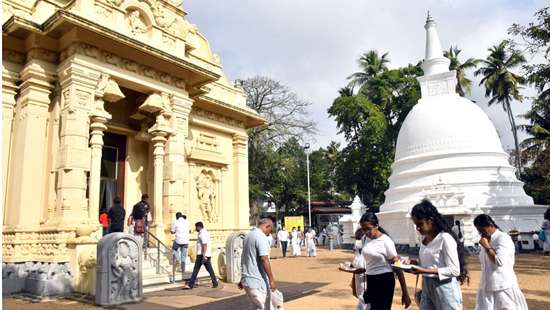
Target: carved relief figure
[(136, 22), (237, 251), (124, 270), (206, 195)]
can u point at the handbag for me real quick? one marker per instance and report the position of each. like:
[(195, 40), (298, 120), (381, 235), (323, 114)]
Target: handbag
[(139, 226), (417, 292), (542, 235)]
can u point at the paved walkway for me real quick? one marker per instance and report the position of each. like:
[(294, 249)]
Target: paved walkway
[(309, 283)]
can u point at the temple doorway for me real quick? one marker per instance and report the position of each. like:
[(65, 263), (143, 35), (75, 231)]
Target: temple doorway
[(112, 170)]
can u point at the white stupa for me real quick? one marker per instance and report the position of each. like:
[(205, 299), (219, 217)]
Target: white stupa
[(449, 152)]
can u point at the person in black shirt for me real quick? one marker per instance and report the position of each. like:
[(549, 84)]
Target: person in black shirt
[(140, 208), (116, 216)]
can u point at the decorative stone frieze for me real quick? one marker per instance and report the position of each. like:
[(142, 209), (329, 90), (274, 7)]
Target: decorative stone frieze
[(122, 63), (217, 117)]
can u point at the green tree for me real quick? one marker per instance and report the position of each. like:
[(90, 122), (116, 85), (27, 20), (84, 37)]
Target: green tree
[(370, 122), (535, 38), (464, 84), (502, 85), (371, 64), (287, 118)]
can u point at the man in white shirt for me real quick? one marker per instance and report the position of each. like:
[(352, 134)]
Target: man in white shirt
[(204, 255), (180, 227), (282, 235)]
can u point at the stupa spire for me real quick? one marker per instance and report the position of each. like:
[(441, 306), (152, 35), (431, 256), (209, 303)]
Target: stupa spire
[(434, 61)]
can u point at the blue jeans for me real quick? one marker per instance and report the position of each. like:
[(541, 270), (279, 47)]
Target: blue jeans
[(440, 295), (284, 245), (180, 253)]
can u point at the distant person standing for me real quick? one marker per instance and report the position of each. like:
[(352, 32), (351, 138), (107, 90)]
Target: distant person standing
[(295, 242), (282, 235), (116, 216), (104, 221), (180, 228), (358, 268), (204, 256), (310, 243), (257, 278), (457, 229), (300, 236), (498, 287), (546, 229)]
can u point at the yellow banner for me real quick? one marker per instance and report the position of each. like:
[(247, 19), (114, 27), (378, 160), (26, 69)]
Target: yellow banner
[(294, 221)]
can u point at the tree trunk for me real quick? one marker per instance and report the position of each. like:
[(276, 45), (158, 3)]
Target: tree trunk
[(516, 142)]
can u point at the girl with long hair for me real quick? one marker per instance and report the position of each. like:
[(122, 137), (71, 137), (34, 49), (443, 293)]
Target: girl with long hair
[(498, 286), (441, 260), (379, 252)]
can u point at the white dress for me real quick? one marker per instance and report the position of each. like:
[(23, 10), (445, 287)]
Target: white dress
[(498, 287), (360, 279), (295, 243)]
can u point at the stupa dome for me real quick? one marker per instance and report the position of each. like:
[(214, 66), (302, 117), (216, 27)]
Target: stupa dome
[(448, 141)]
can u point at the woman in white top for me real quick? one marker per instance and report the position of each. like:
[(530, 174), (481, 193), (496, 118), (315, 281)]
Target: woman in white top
[(379, 252), (498, 287), (310, 243), (441, 260), (295, 242)]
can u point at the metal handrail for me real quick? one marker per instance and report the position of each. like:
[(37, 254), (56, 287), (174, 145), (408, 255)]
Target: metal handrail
[(167, 251)]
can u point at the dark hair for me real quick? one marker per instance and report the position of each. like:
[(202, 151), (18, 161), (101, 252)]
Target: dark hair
[(199, 224), (483, 220), (425, 210), (372, 219), (178, 215), (144, 196), (116, 200), (547, 214), (457, 222)]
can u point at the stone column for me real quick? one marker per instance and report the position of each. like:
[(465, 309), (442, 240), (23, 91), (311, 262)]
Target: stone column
[(78, 85), (240, 172), (174, 177), (159, 139), (97, 127), (27, 179), (10, 76)]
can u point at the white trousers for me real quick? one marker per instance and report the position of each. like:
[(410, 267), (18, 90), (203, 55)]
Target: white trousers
[(509, 299), (296, 249), (257, 299)]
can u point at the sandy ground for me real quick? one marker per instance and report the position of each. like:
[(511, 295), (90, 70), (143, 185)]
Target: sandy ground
[(315, 283)]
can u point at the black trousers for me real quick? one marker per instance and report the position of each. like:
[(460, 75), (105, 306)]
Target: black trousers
[(284, 245), (208, 265), (379, 291)]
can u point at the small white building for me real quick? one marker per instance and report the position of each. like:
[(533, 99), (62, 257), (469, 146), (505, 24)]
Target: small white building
[(350, 222), (449, 151)]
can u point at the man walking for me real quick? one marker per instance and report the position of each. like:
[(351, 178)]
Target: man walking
[(180, 227), (116, 216), (204, 255), (255, 266), (282, 235)]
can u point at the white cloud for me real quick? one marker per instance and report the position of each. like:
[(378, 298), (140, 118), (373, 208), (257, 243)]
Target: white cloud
[(312, 45)]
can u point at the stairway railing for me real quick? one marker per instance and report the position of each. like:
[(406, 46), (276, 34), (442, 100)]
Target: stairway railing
[(162, 249)]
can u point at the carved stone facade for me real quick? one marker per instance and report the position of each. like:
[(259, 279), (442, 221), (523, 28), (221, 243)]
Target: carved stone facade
[(125, 85), (233, 251)]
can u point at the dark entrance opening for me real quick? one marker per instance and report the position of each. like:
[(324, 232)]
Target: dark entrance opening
[(112, 170)]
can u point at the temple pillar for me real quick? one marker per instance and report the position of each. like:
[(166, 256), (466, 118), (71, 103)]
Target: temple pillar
[(240, 172), (29, 141), (10, 76), (174, 176), (159, 139), (97, 127), (78, 86)]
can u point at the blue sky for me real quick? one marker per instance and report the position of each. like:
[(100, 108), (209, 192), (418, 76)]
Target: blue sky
[(312, 45)]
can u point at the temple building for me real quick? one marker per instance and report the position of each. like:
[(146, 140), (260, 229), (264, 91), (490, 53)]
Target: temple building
[(449, 152), (105, 98)]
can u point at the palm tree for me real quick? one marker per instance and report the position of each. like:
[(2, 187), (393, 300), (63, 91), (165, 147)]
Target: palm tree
[(346, 91), (539, 129), (463, 84), (502, 85), (371, 64)]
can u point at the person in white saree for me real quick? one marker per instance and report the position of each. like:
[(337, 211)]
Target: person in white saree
[(498, 287)]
